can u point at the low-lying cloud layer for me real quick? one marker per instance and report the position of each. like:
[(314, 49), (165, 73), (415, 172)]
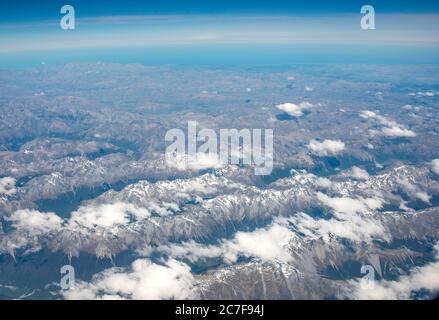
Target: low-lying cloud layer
[(295, 110), (7, 186), (435, 166), (34, 222), (326, 148), (420, 278), (349, 220), (139, 217), (145, 280), (358, 173), (107, 215), (390, 128), (199, 161)]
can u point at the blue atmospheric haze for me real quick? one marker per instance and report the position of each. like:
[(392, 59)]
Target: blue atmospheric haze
[(196, 32)]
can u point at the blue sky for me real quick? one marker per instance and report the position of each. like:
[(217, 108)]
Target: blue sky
[(31, 10), (328, 28)]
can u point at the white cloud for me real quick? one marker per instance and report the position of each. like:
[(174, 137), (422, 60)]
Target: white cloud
[(295, 110), (368, 114), (425, 277), (326, 148), (324, 183), (35, 222), (350, 205), (145, 280), (7, 186), (435, 166), (423, 94), (398, 132), (205, 161), (413, 190), (107, 215), (390, 128), (265, 244), (355, 228), (197, 186), (191, 250), (348, 222), (358, 173), (199, 161)]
